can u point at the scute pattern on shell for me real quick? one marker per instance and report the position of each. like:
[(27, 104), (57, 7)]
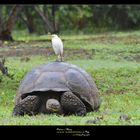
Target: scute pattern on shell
[(60, 76)]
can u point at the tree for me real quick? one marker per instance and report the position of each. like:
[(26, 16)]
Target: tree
[(116, 16), (7, 25), (27, 17), (47, 18)]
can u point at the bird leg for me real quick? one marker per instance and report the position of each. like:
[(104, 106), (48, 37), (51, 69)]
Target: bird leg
[(58, 58), (61, 57)]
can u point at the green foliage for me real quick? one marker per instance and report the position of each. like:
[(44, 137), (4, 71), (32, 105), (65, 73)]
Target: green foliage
[(76, 18), (126, 16)]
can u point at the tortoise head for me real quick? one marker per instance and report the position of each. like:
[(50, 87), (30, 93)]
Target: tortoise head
[(53, 106)]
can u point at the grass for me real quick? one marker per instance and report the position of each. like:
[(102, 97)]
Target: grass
[(115, 67), (112, 107)]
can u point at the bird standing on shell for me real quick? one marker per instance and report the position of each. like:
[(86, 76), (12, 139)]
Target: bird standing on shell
[(57, 45)]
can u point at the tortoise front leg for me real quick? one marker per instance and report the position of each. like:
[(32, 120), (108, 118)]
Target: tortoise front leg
[(71, 104), (29, 105)]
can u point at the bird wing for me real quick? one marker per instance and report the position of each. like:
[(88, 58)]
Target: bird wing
[(57, 45)]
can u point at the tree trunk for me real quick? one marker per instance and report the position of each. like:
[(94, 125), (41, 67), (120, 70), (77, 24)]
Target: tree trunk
[(6, 27), (28, 19), (55, 25), (45, 19), (30, 23)]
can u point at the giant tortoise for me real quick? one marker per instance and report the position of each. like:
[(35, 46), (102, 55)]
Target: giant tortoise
[(56, 87)]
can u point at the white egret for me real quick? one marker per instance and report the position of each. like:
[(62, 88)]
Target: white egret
[(57, 45)]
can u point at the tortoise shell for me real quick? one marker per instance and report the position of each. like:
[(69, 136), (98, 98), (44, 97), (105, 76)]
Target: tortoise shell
[(60, 77)]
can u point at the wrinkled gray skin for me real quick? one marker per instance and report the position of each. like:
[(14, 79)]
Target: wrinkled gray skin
[(56, 87), (53, 105)]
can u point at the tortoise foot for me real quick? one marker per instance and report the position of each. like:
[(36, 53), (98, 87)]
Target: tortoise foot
[(71, 104), (28, 105)]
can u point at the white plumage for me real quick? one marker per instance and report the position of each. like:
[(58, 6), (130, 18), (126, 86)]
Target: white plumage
[(57, 45)]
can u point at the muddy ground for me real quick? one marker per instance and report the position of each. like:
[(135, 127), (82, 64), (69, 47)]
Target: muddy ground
[(33, 48), (23, 49)]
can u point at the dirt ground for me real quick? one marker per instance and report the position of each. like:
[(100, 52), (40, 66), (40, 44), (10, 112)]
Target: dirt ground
[(28, 49), (23, 49)]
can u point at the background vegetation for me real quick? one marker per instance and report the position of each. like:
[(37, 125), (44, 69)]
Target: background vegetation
[(67, 19)]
